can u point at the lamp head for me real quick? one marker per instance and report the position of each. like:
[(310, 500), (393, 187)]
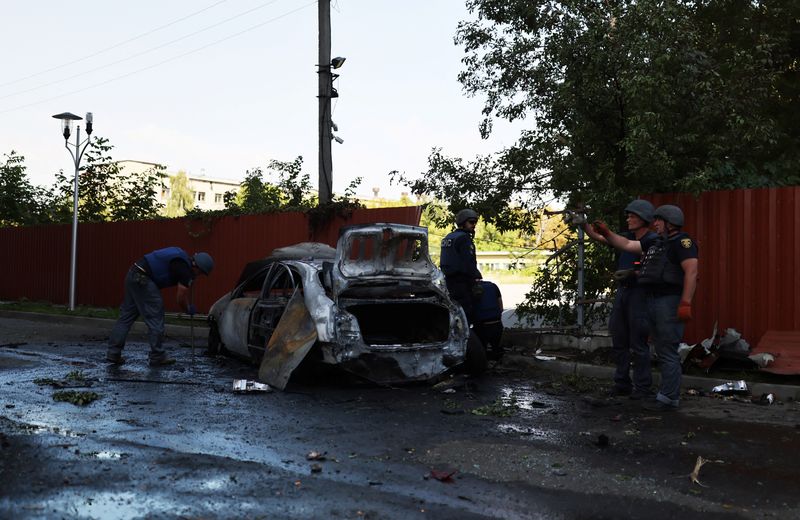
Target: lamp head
[(66, 122), (337, 62)]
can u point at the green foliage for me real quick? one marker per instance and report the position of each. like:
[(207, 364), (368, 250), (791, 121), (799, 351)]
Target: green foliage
[(105, 193), (20, 202), (625, 98), (181, 197)]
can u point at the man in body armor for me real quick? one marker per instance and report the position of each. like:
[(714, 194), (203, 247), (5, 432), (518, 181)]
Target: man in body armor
[(168, 267), (628, 322), (669, 276), (459, 264)]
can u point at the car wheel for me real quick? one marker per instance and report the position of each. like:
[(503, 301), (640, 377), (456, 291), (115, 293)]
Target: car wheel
[(214, 341), (475, 361)]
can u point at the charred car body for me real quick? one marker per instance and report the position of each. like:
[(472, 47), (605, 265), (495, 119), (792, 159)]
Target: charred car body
[(376, 306)]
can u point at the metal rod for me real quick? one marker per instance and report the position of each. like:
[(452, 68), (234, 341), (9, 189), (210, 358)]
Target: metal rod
[(580, 298)]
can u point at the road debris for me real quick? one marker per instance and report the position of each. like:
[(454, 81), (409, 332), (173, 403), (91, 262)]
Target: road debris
[(765, 399), (441, 476), (731, 388), (695, 474), (315, 455), (316, 468), (245, 386)]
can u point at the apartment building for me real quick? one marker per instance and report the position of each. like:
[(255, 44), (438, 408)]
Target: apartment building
[(208, 191)]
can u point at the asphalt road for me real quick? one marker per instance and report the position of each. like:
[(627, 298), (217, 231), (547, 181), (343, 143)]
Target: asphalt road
[(519, 442)]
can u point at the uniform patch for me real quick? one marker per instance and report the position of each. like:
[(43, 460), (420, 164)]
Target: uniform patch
[(447, 242), (686, 243)]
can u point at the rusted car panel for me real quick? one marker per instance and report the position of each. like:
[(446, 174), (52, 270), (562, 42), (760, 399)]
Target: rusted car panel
[(378, 304)]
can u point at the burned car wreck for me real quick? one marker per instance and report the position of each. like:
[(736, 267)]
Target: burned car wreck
[(376, 306)]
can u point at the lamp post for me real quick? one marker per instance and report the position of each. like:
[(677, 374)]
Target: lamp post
[(66, 124)]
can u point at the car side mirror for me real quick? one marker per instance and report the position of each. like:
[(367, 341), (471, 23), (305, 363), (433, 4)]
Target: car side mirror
[(327, 275)]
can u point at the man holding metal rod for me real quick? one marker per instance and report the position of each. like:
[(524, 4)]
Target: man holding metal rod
[(168, 267)]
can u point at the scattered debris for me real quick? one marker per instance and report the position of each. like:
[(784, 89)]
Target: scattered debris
[(762, 359), (765, 399), (441, 476), (75, 379), (695, 474), (498, 408), (731, 388), (449, 391), (243, 386), (76, 398), (315, 455), (316, 468)]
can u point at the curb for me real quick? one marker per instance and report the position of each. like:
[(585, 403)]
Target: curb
[(782, 392), (183, 332)]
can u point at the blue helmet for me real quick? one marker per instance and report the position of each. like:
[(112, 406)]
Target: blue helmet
[(204, 262)]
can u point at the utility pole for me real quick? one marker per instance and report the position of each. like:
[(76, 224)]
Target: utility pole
[(325, 87)]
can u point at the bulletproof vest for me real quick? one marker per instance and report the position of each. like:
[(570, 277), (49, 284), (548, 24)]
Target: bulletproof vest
[(656, 267), (159, 261), (451, 262)]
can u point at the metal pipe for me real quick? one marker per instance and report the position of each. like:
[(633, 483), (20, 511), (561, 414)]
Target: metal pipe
[(76, 158)]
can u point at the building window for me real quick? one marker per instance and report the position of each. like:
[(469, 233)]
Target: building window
[(218, 198), (201, 196)]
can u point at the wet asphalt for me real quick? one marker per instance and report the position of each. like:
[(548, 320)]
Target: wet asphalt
[(519, 442)]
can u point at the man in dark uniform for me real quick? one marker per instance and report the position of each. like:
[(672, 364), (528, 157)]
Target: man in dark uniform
[(669, 276), (162, 268), (628, 322), (459, 264)]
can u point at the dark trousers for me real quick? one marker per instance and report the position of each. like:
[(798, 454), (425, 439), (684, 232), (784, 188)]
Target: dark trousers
[(142, 297), (629, 330)]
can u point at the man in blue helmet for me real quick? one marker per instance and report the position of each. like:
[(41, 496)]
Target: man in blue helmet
[(459, 263), (168, 267), (628, 322), (669, 276)]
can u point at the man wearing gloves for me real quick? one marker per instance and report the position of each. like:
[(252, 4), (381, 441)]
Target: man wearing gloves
[(168, 267), (669, 278)]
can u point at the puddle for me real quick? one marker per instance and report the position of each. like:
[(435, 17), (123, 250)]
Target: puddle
[(36, 429), (215, 484), (526, 399), (109, 455)]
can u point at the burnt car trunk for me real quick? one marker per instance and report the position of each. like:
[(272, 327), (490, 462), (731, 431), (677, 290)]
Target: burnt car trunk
[(400, 322)]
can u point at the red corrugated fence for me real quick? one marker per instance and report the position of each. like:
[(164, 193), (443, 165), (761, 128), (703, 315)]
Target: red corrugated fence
[(36, 260), (749, 259)]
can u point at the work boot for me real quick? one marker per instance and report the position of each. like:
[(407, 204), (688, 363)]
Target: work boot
[(115, 359), (162, 361), (617, 391)]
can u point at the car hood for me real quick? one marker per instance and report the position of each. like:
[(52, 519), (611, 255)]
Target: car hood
[(382, 253)]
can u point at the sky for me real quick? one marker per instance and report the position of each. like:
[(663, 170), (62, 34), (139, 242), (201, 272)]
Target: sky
[(218, 88)]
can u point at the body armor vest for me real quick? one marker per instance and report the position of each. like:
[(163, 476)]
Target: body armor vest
[(656, 267)]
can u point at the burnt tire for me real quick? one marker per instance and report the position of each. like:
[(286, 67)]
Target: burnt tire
[(475, 361), (214, 340)]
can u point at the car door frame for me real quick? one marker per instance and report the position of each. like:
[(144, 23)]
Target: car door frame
[(268, 309)]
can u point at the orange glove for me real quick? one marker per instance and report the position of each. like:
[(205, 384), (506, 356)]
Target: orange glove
[(684, 311), (601, 228)]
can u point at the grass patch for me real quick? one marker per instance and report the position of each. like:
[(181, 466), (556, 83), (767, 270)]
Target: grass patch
[(499, 408), (76, 398)]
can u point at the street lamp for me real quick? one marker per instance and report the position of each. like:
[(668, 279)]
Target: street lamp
[(66, 129)]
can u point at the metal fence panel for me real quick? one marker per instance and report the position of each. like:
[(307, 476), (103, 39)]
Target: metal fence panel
[(36, 259)]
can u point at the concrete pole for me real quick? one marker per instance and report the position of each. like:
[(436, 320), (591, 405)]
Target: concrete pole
[(325, 83), (74, 254)]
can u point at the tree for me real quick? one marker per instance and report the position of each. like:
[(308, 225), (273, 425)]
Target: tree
[(105, 192), (625, 97), (20, 202), (181, 196)]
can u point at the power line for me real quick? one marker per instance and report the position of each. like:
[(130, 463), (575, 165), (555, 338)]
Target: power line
[(146, 51), (117, 78), (142, 35)]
